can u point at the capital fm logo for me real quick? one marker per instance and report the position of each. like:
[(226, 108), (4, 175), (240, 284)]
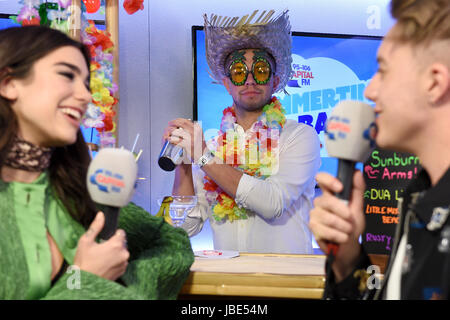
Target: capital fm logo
[(107, 181), (302, 76), (337, 127)]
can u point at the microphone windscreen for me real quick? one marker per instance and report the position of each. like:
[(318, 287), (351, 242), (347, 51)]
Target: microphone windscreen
[(111, 177), (348, 131)]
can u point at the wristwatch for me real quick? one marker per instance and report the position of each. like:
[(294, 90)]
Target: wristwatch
[(205, 158)]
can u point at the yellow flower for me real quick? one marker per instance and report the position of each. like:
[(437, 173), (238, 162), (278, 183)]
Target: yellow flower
[(232, 216), (227, 202), (220, 211), (96, 84), (106, 97)]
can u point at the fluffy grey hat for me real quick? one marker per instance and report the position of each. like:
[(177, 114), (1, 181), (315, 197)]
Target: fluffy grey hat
[(224, 35)]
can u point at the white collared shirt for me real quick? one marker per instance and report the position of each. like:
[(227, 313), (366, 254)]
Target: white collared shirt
[(279, 205), (395, 278)]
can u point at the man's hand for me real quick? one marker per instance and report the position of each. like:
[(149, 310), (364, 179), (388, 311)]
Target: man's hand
[(188, 135), (332, 220)]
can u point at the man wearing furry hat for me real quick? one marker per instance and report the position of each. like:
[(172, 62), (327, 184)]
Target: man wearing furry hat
[(256, 178)]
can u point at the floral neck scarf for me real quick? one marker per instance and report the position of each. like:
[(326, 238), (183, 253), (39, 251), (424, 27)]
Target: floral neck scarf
[(254, 152), (26, 156)]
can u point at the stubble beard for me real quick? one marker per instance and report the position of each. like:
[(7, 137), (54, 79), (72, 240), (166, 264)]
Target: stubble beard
[(256, 106)]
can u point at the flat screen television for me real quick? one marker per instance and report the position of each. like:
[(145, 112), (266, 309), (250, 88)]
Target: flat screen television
[(327, 68)]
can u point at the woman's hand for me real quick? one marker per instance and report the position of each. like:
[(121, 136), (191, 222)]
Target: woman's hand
[(109, 259)]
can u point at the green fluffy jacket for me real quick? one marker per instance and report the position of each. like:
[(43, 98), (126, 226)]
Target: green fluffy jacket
[(160, 255)]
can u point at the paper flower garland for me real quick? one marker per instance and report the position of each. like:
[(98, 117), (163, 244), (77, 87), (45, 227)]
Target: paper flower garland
[(92, 6), (101, 112), (131, 6)]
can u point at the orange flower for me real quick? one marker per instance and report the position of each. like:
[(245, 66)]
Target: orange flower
[(226, 201), (94, 64), (210, 185), (131, 6), (108, 121), (34, 21), (229, 110), (102, 38)]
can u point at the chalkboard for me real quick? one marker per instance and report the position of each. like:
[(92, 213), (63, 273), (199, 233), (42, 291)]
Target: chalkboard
[(387, 174)]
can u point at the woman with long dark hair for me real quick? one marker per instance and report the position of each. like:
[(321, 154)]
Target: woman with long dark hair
[(45, 208)]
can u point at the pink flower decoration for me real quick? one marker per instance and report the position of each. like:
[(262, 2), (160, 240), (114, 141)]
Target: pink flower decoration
[(113, 89), (107, 139), (100, 55), (27, 13)]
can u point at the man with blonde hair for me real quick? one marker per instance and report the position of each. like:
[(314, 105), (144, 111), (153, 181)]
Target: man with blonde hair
[(411, 90)]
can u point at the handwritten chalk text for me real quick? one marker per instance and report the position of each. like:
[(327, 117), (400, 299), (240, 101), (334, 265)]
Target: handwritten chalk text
[(380, 238), (394, 161), (383, 194)]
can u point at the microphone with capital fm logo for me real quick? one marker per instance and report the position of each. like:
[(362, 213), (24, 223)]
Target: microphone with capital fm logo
[(111, 180), (349, 137)]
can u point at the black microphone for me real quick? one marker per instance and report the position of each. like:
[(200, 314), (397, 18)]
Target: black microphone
[(349, 138), (111, 181)]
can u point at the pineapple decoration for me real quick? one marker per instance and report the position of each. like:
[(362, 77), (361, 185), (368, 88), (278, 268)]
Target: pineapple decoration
[(164, 210)]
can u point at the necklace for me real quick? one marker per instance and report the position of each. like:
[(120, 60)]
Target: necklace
[(254, 152), (26, 156)]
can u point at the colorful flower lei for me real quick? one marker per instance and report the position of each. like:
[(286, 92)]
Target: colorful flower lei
[(100, 112), (255, 153)]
